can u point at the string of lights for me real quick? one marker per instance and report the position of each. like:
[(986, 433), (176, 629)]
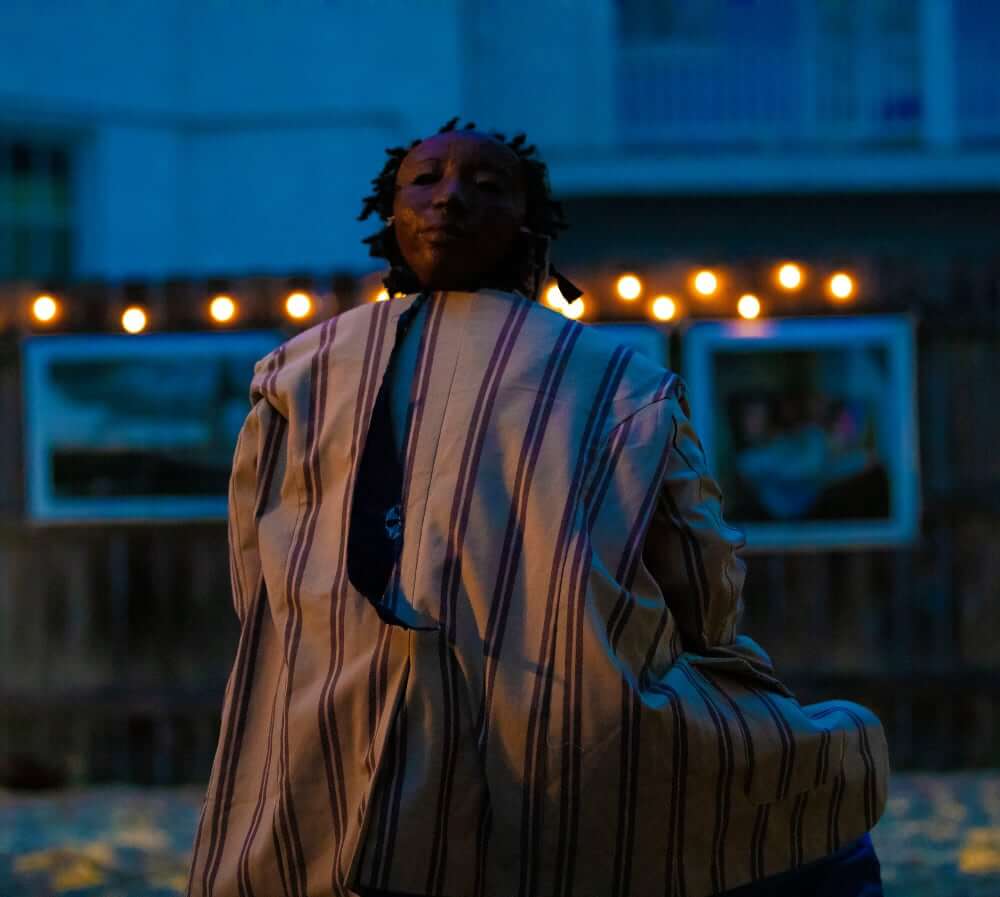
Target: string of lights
[(704, 286), (707, 291)]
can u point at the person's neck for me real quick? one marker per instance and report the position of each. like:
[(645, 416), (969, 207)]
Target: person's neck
[(487, 283)]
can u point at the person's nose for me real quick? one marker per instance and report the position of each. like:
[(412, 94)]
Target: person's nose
[(450, 194)]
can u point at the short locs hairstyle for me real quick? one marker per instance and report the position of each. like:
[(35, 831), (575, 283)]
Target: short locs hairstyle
[(543, 216)]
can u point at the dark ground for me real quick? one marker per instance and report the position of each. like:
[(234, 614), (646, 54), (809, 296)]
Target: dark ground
[(939, 837)]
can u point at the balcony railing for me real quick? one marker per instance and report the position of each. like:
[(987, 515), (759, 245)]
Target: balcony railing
[(802, 72)]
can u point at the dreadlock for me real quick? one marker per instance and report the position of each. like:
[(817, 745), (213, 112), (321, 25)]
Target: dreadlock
[(543, 217)]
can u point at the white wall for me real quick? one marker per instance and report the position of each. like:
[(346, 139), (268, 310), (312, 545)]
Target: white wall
[(230, 136), (294, 105), (226, 135), (129, 192), (87, 60), (545, 67)]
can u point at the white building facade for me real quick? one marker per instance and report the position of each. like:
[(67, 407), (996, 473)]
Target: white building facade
[(183, 138)]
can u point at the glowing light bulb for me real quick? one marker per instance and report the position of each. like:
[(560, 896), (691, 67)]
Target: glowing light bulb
[(298, 305), (554, 298), (573, 309), (664, 308), (748, 306), (382, 296), (44, 309), (222, 309), (790, 276), (706, 283), (134, 319), (629, 287), (841, 286)]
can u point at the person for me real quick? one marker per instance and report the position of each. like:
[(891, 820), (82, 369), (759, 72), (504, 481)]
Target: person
[(489, 608)]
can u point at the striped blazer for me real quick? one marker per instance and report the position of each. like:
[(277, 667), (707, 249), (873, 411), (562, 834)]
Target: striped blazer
[(567, 708)]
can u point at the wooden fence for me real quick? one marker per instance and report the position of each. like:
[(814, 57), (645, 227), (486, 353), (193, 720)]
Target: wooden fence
[(115, 641)]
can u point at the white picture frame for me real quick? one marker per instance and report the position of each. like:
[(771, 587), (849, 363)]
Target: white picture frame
[(112, 423), (810, 427)]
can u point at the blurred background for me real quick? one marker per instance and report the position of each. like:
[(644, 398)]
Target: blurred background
[(794, 203)]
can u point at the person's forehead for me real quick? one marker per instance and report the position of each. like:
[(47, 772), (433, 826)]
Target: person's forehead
[(464, 146)]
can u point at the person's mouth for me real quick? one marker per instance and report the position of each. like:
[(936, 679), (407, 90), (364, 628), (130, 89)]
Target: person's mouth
[(444, 233)]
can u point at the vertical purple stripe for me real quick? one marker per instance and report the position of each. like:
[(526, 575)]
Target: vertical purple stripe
[(397, 795), (621, 611), (787, 742), (193, 871), (757, 842), (510, 553), (824, 759), (632, 552), (674, 854), (384, 835), (839, 781), (419, 389), (627, 790), (833, 817), (573, 667), (744, 728), (870, 795), (287, 824), (534, 778), (796, 846), (483, 831), (302, 544), (625, 575), (378, 670), (692, 558), (724, 782), (333, 761), (280, 860), (246, 660), (415, 414), (258, 813), (682, 803), (233, 739), (452, 577), (243, 873)]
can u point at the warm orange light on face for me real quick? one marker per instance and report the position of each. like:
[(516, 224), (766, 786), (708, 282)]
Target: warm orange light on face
[(573, 309), (629, 287), (790, 276), (841, 286), (706, 283), (664, 308), (44, 309), (134, 319), (222, 309), (748, 306), (554, 298), (298, 306)]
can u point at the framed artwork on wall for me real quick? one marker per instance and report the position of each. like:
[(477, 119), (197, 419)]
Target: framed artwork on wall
[(132, 428), (810, 427)]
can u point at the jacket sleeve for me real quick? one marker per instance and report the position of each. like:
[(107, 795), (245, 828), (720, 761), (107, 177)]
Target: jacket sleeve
[(253, 482), (689, 548)]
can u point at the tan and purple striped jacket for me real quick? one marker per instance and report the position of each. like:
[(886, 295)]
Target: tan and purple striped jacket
[(581, 718)]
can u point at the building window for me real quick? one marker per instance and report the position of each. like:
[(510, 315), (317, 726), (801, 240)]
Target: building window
[(767, 73), (691, 22), (35, 213)]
